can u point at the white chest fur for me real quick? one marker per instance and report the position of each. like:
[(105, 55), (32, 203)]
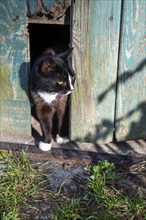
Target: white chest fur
[(48, 97)]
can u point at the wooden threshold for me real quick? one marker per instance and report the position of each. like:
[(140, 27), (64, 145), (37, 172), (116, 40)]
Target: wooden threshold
[(124, 152)]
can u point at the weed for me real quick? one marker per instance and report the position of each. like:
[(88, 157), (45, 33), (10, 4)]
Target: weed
[(102, 201), (97, 182), (115, 205)]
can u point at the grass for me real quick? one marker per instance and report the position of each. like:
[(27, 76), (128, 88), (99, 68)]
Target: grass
[(101, 199), (17, 184), (69, 209)]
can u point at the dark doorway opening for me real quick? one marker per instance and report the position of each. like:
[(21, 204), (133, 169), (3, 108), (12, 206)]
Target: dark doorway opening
[(43, 36), (56, 37)]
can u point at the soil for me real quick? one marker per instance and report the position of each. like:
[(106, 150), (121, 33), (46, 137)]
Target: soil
[(63, 171), (69, 177)]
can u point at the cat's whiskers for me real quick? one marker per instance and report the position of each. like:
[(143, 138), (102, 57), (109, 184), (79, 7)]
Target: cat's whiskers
[(70, 83)]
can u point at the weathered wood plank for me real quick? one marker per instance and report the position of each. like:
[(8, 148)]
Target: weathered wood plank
[(131, 96), (48, 11), (14, 50), (130, 152), (14, 64), (14, 121), (96, 27)]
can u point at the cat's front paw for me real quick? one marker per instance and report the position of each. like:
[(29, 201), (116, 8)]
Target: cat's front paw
[(61, 140), (44, 146)]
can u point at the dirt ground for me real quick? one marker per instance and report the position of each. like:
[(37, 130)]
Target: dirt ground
[(64, 171), (69, 177)]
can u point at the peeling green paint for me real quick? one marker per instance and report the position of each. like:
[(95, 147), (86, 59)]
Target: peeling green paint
[(15, 119)]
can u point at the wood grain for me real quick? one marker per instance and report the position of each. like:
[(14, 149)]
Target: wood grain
[(96, 27), (131, 94)]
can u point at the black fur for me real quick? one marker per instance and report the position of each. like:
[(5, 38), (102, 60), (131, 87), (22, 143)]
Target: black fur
[(50, 74)]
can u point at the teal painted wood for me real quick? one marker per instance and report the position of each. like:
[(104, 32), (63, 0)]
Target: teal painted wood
[(48, 11), (131, 94), (96, 26), (44, 7), (15, 123), (14, 69), (33, 5)]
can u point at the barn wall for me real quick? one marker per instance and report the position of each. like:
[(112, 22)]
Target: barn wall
[(48, 11), (14, 104), (96, 28), (110, 58), (131, 91)]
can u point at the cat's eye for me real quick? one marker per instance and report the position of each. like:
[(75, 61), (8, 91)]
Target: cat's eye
[(60, 82)]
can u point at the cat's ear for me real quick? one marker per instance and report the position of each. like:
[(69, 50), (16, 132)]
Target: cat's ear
[(48, 66), (67, 54), (48, 51)]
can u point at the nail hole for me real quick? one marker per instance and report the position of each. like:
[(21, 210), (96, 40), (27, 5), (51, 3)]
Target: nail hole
[(111, 18)]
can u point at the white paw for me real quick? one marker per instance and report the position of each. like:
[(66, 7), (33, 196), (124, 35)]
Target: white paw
[(61, 140), (44, 146)]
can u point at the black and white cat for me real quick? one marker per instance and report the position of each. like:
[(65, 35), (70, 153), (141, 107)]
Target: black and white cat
[(52, 80)]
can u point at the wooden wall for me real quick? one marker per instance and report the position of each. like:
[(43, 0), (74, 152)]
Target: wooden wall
[(15, 116), (96, 28), (14, 64), (131, 91), (109, 59), (48, 11)]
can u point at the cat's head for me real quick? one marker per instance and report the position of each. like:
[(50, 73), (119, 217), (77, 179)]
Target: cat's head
[(55, 73)]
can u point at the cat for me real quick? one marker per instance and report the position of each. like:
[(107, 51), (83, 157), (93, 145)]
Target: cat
[(52, 79)]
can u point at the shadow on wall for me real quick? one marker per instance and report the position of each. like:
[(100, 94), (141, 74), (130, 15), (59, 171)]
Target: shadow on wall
[(24, 77), (24, 82), (139, 126), (122, 79)]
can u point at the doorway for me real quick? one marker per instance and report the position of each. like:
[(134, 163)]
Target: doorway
[(41, 37)]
